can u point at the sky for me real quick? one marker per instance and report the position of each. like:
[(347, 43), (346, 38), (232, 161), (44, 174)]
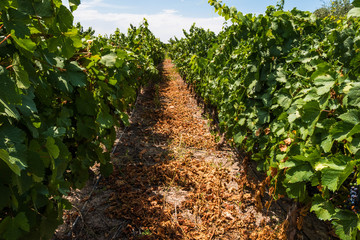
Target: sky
[(167, 18)]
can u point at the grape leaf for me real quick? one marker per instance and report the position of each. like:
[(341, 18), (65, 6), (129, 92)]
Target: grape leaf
[(4, 155), (74, 4), (346, 224), (340, 130), (352, 116), (324, 209), (109, 60), (301, 172), (65, 19), (10, 227), (324, 84), (354, 12), (105, 119), (354, 94), (333, 174), (356, 3), (52, 148), (22, 77)]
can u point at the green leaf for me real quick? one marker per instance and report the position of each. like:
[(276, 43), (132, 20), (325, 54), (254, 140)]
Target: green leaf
[(105, 120), (263, 116), (324, 209), (327, 144), (354, 130), (311, 95), (10, 110), (284, 100), (352, 116), (52, 148), (38, 149), (125, 118), (355, 12), (281, 76), (27, 46), (12, 140), (356, 3), (74, 4), (75, 75), (67, 47), (345, 223), (310, 112), (60, 82), (324, 84), (335, 171), (10, 228), (55, 132), (8, 89), (28, 106), (301, 172), (293, 116), (354, 94), (23, 182), (354, 145), (64, 119), (239, 138), (75, 37), (43, 8), (4, 155), (22, 77), (340, 130), (25, 7), (17, 21), (109, 60), (65, 19)]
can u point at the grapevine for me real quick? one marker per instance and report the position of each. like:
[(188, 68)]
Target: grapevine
[(62, 93), (286, 87)]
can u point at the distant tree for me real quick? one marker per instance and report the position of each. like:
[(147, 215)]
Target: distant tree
[(336, 8), (280, 4), (83, 32)]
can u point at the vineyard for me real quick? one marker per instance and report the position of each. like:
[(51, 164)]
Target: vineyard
[(282, 88)]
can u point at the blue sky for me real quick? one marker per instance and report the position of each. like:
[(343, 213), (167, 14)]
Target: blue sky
[(167, 18)]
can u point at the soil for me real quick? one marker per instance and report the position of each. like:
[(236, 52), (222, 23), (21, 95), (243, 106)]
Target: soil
[(172, 180)]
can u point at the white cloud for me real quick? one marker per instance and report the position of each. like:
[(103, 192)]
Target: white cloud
[(170, 11), (165, 24), (93, 4)]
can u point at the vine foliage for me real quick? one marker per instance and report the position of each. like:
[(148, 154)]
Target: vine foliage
[(62, 93), (286, 88)]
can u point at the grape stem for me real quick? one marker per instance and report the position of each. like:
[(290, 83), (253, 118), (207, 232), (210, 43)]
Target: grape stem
[(5, 39)]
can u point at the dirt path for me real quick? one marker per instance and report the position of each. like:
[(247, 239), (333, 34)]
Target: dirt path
[(171, 182)]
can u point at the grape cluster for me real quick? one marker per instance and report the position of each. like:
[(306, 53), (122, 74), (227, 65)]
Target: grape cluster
[(354, 198)]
